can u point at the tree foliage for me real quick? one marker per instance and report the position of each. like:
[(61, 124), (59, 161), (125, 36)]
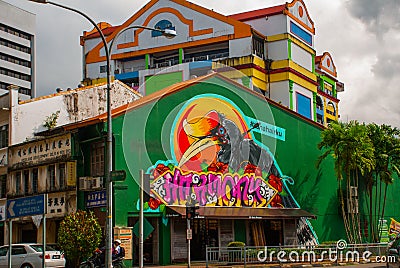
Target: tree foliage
[(368, 154), (79, 235), (386, 143), (352, 151)]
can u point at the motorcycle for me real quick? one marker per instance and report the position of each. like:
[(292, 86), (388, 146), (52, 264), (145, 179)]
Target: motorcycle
[(97, 260), (94, 261)]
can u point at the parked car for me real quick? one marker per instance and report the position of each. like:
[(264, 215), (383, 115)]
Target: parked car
[(30, 256)]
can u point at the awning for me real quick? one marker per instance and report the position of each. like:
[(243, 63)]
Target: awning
[(246, 213)]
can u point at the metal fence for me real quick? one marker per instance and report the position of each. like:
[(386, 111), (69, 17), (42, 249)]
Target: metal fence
[(352, 253)]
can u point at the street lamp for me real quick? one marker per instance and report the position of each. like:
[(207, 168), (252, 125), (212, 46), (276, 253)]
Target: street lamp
[(109, 187)]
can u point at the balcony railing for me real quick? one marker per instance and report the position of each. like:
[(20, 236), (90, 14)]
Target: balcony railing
[(208, 57)]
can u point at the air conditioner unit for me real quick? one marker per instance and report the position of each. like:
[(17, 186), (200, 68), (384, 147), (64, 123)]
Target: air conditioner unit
[(96, 183), (83, 183), (353, 191)]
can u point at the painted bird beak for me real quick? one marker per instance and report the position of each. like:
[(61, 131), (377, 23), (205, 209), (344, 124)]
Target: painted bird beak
[(200, 130), (196, 148)]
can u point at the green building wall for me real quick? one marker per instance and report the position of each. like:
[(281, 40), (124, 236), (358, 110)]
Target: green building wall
[(142, 147)]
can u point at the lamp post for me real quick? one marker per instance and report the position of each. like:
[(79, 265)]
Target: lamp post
[(109, 187), (169, 34)]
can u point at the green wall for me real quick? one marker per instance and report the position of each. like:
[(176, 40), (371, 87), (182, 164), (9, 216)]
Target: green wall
[(159, 81), (314, 189)]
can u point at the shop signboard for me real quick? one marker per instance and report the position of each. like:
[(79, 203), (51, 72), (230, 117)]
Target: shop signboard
[(55, 204), (96, 199), (41, 151), (125, 235)]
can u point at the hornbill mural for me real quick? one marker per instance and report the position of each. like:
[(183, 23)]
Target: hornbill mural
[(235, 150)]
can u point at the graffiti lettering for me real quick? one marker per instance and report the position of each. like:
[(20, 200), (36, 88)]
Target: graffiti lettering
[(211, 189)]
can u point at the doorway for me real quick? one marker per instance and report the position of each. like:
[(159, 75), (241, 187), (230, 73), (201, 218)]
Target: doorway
[(274, 232), (205, 233), (150, 242)]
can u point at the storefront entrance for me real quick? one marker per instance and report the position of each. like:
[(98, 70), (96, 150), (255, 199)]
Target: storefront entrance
[(205, 233), (150, 243), (266, 233)]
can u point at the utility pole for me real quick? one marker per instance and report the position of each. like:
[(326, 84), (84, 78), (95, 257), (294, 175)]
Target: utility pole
[(141, 219), (188, 227)]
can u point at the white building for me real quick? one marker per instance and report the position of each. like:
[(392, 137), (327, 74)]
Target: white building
[(17, 49)]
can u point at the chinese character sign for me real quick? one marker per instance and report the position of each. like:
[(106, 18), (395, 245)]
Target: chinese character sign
[(55, 204)]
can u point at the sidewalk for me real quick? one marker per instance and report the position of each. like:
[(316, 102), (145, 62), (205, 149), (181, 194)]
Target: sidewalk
[(274, 265)]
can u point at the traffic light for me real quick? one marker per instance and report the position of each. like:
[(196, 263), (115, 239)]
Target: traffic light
[(191, 212), (194, 213), (188, 212)]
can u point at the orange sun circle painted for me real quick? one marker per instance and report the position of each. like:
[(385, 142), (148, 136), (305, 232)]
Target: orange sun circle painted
[(194, 123)]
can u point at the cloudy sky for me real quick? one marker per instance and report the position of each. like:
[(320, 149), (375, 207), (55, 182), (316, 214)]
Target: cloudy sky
[(361, 35)]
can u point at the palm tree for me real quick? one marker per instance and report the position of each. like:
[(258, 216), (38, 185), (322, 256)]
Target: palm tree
[(385, 140), (352, 151)]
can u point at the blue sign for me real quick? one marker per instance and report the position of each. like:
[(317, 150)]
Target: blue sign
[(267, 129), (96, 199), (25, 206)]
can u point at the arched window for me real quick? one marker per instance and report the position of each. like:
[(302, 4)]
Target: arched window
[(162, 25), (331, 109), (320, 104)]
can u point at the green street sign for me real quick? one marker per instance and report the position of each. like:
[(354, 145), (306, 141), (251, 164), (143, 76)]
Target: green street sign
[(118, 175), (120, 187)]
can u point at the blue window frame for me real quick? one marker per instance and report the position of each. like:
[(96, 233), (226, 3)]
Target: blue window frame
[(303, 105), (303, 35)]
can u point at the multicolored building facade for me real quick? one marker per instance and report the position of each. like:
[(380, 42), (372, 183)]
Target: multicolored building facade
[(274, 47)]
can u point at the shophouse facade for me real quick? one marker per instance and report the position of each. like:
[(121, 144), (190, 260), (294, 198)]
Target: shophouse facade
[(42, 160), (274, 47)]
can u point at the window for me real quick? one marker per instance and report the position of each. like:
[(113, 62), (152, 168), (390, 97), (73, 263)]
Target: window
[(4, 136), (10, 30), (103, 68), (62, 175), (35, 180), (331, 109), (51, 177), (15, 60), (3, 185), (162, 25), (15, 46), (302, 34), (97, 159), (22, 90), (18, 182), (258, 46), (18, 250), (15, 74), (303, 105), (26, 181)]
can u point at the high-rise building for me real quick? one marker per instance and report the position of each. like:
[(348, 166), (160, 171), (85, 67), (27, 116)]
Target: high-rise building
[(17, 49)]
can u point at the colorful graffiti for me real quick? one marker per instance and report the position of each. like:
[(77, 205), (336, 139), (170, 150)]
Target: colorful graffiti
[(174, 187), (217, 162)]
